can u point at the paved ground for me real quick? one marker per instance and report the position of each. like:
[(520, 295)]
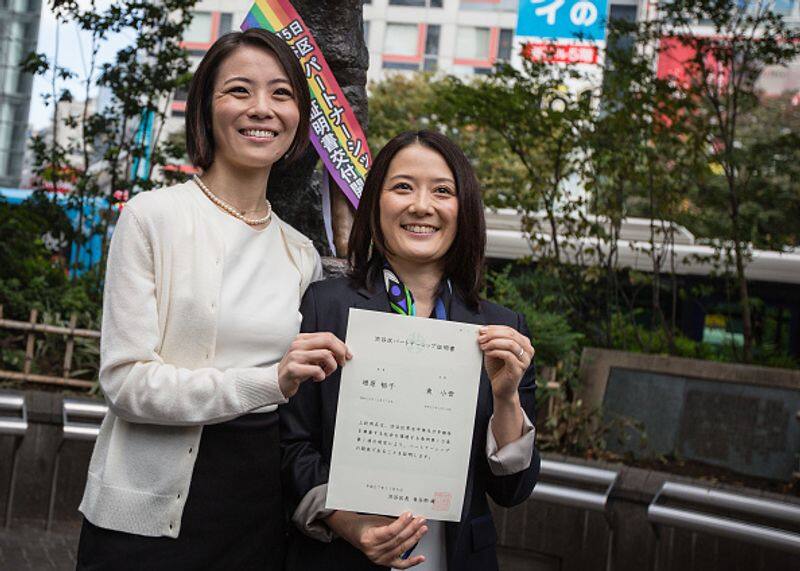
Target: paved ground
[(26, 546)]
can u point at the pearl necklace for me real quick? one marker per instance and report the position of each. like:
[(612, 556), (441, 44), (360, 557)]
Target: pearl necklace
[(230, 209)]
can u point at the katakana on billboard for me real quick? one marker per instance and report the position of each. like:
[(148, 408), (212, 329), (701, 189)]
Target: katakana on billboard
[(563, 19)]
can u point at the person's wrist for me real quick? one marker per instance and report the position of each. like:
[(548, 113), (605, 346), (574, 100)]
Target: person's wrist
[(506, 401), (287, 387), (345, 527)]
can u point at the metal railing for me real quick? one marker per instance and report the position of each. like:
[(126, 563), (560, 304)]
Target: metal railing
[(697, 521), (81, 419), (14, 423), (569, 489)]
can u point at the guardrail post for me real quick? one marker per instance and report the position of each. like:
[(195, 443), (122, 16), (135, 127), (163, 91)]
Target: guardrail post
[(579, 498), (81, 421), (695, 520), (14, 423)]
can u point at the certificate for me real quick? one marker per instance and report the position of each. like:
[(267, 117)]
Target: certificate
[(405, 416)]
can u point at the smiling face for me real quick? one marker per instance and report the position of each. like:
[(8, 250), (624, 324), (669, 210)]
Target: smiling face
[(418, 207), (254, 113)]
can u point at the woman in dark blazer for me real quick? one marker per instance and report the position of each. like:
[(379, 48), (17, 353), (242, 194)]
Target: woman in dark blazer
[(417, 248)]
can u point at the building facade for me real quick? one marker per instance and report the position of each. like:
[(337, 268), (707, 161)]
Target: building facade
[(19, 31), (212, 19), (461, 37), (450, 36)]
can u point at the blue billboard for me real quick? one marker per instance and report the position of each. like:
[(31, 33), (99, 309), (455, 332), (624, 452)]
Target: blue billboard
[(563, 19)]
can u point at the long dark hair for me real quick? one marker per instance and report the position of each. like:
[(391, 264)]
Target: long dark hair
[(463, 262), (199, 133)]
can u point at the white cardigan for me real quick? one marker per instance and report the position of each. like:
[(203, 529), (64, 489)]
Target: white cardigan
[(158, 337)]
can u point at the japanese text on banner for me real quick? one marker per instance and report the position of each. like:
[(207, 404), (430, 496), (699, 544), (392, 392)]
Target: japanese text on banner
[(334, 130)]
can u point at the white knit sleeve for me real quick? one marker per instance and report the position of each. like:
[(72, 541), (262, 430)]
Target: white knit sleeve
[(139, 386)]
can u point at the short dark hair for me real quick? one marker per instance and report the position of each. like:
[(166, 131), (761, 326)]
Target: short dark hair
[(464, 261), (199, 133)]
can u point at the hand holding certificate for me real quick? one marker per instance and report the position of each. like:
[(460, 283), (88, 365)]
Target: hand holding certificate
[(405, 416)]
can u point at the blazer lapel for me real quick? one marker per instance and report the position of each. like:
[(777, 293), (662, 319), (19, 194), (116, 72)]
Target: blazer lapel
[(374, 300)]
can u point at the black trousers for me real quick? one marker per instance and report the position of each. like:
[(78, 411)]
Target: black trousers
[(233, 517)]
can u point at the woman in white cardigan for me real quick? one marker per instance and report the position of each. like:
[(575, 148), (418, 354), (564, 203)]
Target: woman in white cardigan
[(200, 334)]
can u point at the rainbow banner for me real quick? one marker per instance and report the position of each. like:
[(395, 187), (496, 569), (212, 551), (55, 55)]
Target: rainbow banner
[(335, 132)]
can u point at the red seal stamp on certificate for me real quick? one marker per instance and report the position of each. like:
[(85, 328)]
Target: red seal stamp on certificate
[(441, 501)]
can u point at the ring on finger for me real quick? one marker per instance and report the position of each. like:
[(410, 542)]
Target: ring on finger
[(521, 353)]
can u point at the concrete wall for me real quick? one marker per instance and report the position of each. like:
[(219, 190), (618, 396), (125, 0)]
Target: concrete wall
[(537, 536), (35, 464), (532, 537)]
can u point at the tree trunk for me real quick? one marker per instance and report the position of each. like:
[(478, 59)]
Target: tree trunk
[(744, 298), (338, 28), (744, 295)]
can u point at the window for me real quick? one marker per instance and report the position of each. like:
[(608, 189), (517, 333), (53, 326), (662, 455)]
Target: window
[(13, 56), (411, 47), (199, 31), (617, 47), (473, 43), (431, 48), (418, 3), (505, 45), (6, 136), (401, 39), (225, 23), (181, 94), (622, 13), (206, 27), (21, 5), (490, 5)]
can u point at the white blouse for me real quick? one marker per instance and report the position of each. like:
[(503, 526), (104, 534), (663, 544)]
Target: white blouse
[(254, 328)]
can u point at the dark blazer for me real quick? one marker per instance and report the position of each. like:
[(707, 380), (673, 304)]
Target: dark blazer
[(308, 420)]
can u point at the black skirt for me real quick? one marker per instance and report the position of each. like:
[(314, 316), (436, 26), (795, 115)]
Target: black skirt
[(233, 517)]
